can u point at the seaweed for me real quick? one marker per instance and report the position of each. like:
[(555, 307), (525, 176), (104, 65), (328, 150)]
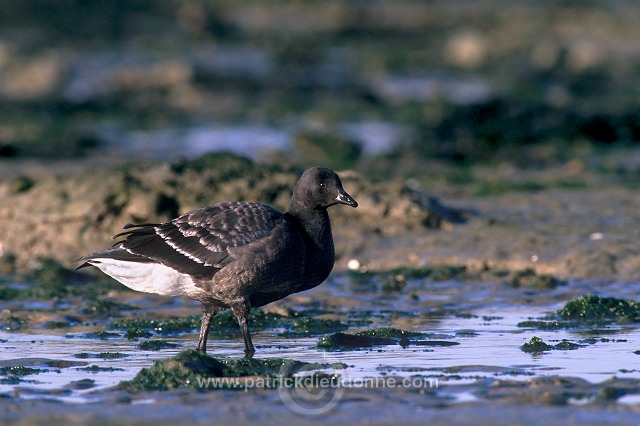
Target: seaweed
[(226, 322), (97, 369), (435, 273), (309, 325), (536, 345), (103, 355), (344, 341), (529, 278), (156, 345), (164, 327), (378, 337), (102, 335), (586, 311), (103, 308), (596, 308), (19, 370), (193, 369)]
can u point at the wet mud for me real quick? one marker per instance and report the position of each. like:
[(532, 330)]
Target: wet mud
[(449, 340)]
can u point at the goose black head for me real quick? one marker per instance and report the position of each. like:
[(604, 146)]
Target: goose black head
[(320, 188)]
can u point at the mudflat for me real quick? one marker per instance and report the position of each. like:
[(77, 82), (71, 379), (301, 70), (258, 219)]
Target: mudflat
[(448, 303)]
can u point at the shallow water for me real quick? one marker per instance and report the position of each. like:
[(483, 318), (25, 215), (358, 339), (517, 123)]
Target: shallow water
[(481, 318), (254, 141)]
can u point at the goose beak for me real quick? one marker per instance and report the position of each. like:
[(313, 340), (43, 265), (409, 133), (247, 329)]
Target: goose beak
[(344, 198)]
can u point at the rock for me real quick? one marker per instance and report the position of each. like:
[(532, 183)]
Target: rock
[(536, 345), (591, 263), (63, 217)]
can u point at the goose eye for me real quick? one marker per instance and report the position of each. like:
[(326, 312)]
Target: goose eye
[(322, 185)]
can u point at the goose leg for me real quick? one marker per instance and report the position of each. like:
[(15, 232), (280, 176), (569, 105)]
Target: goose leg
[(242, 314), (207, 315)]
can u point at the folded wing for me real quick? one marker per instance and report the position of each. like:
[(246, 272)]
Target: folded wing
[(196, 243)]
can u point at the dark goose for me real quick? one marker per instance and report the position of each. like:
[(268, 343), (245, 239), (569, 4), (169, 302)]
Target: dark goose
[(232, 255)]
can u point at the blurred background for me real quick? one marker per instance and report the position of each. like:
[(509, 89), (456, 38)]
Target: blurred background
[(382, 87)]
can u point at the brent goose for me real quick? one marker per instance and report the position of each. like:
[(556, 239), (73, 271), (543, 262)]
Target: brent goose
[(233, 255)]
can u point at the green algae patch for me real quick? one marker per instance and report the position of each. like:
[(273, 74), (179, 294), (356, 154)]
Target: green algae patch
[(63, 363), (134, 333), (610, 393), (588, 311), (309, 325), (156, 345), (222, 323), (159, 326), (548, 325), (390, 333), (105, 308), (269, 367), (181, 371), (292, 321), (529, 278), (396, 279), (378, 337), (45, 362), (259, 319), (49, 270), (13, 375), (97, 369), (597, 308), (401, 274), (103, 355), (47, 289), (49, 279), (567, 345), (14, 380), (193, 369), (225, 165), (225, 323), (326, 148), (9, 293), (344, 341), (19, 370), (101, 335), (65, 322), (536, 345)]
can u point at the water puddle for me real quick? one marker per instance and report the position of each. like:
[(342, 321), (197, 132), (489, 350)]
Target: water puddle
[(255, 141)]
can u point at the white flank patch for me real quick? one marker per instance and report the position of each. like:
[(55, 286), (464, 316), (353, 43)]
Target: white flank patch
[(149, 277)]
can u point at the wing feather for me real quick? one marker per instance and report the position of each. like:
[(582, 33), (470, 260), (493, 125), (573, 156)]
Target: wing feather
[(199, 242)]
